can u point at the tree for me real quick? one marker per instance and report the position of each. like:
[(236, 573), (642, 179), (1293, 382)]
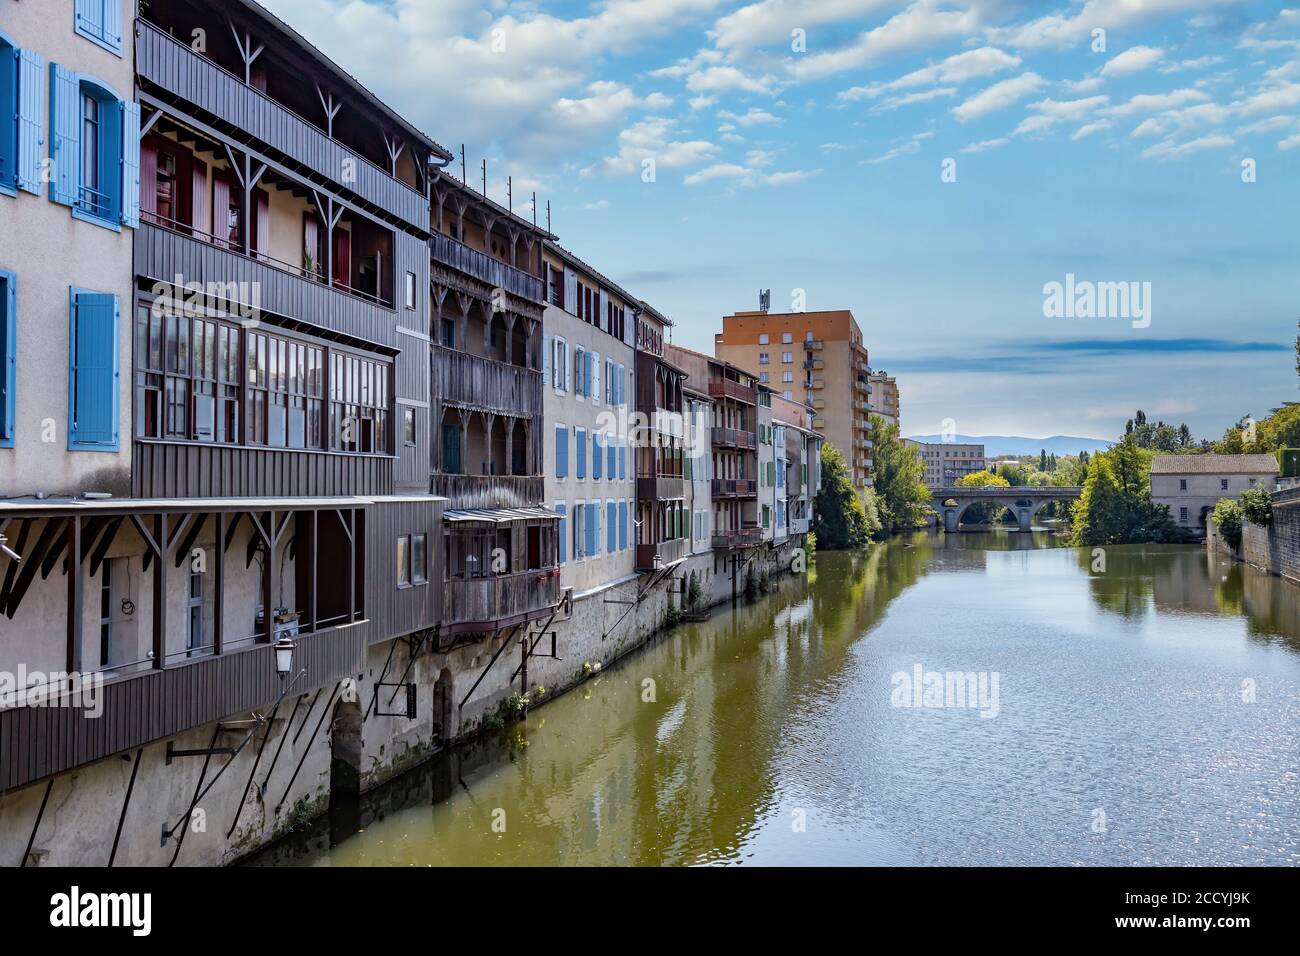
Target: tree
[(1042, 459), (1115, 506), (840, 520), (900, 490), (982, 479), (1227, 518), (1257, 506)]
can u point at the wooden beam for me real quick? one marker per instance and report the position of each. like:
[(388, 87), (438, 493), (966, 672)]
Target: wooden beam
[(159, 540), (32, 563), (183, 552), (218, 600), (74, 595), (11, 572)]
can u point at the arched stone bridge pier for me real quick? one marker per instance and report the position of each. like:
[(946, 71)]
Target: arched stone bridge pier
[(1025, 501)]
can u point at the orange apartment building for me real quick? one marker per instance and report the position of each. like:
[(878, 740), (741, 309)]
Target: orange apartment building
[(813, 357)]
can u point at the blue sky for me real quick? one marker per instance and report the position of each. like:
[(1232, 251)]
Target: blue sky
[(800, 144)]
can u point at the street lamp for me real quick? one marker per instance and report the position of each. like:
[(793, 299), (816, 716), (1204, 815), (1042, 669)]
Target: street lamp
[(283, 656)]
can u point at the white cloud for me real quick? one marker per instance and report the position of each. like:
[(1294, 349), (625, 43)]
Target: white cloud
[(650, 139), (1270, 125), (1085, 85), (907, 99), (755, 117), (997, 97), (598, 204), (908, 146), (1198, 63), (915, 27), (753, 172), (770, 21), (1171, 150), (1291, 142), (1062, 30), (1089, 128), (1155, 102), (956, 69), (1271, 100), (1133, 60), (728, 79), (985, 145)]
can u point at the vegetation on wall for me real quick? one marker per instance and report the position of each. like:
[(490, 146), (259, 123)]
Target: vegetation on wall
[(1227, 518)]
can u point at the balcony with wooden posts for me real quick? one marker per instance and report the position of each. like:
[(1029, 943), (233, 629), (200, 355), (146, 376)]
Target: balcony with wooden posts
[(485, 384), (500, 275), (174, 73), (733, 438), (485, 604), (734, 488), (651, 557), (729, 388), (737, 538), (488, 491)]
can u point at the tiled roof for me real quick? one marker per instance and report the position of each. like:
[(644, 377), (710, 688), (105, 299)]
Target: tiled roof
[(1214, 465)]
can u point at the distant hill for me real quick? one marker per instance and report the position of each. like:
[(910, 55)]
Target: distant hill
[(996, 445)]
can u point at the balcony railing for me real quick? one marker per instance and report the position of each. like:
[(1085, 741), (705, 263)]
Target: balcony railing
[(734, 487), (486, 384), (660, 487), (737, 538), (658, 555), (483, 267), (489, 603), (726, 388), (489, 491), (814, 345), (734, 438), (175, 68)]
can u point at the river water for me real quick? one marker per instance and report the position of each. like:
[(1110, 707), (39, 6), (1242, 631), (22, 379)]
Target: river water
[(1137, 706)]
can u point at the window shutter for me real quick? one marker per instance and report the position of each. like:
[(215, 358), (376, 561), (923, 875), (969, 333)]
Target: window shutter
[(546, 358), (580, 452), (30, 120), (563, 530), (593, 517), (65, 139), (571, 292), (112, 32), (593, 383), (561, 451), (622, 525), (611, 527), (130, 162), (596, 457), (8, 367), (92, 378)]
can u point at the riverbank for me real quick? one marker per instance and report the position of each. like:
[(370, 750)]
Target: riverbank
[(770, 734), (1275, 548)]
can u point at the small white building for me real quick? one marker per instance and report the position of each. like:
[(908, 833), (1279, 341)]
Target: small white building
[(1191, 485)]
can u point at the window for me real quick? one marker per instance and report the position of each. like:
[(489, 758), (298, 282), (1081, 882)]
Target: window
[(593, 529), (95, 150), (579, 524), (610, 456), (8, 367), (611, 526), (787, 338), (1223, 484), (1182, 514), (762, 358), (622, 525), (560, 364), (787, 376), (22, 133), (561, 451), (410, 290), (92, 372), (419, 564), (100, 21), (787, 357), (408, 426), (187, 376), (194, 607), (622, 458), (763, 377), (285, 393), (404, 561), (580, 447), (762, 338), (358, 416), (1182, 484), (788, 395), (580, 367), (597, 456)]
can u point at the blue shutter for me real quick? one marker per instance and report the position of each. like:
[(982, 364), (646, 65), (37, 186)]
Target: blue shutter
[(30, 120), (611, 527), (93, 371), (131, 165), (622, 525), (113, 24), (8, 109), (593, 516), (622, 459), (597, 459), (8, 369), (609, 458), (101, 21), (586, 374), (580, 449), (563, 530), (561, 451), (65, 139)]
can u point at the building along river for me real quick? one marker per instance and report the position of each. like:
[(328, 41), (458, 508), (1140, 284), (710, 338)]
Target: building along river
[(1141, 714)]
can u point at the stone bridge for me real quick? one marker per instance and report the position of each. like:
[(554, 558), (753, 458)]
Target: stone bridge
[(1024, 501)]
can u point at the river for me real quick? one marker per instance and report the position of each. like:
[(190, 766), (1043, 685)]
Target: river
[(1137, 706)]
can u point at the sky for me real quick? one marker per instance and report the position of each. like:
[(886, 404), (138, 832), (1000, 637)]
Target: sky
[(933, 166)]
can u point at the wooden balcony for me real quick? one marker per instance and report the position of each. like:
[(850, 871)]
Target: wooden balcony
[(486, 385), (661, 554), (660, 487), (491, 603), (161, 254), (42, 741), (737, 538), (174, 72), (489, 491), (733, 438), (727, 388), (734, 488), (483, 267)]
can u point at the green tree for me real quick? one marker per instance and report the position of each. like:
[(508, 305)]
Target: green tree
[(899, 484), (1227, 518), (982, 479), (1257, 506), (1115, 506), (840, 520)]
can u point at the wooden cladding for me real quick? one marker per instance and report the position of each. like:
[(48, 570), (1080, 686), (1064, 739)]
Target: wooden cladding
[(489, 603), (489, 491), (37, 742), (485, 384), (162, 254), (483, 267), (734, 488), (660, 487), (727, 388), (734, 438), (199, 470), (666, 552), (169, 65)]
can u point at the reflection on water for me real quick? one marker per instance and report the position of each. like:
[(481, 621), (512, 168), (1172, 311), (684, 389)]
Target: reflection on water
[(1121, 737)]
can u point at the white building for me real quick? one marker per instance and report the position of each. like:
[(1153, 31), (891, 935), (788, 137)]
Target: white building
[(1191, 485)]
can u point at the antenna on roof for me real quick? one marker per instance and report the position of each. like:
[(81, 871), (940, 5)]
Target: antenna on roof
[(510, 193), (534, 207), (464, 177), (548, 215), (764, 299), (485, 179)]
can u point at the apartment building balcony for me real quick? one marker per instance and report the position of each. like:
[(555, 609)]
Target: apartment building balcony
[(818, 423), (484, 384), (175, 73), (737, 538), (660, 487), (817, 383), (496, 601), (814, 345), (734, 488), (727, 388), (814, 364), (485, 268), (650, 557), (488, 491), (733, 438)]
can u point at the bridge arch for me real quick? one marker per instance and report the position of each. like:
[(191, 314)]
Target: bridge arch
[(1024, 501)]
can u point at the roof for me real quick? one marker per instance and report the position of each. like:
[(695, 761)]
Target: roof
[(647, 307), (498, 515), (444, 176), (256, 8), (568, 256), (1214, 465)]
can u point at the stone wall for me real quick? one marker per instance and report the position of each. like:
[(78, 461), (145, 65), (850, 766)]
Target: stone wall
[(1276, 548)]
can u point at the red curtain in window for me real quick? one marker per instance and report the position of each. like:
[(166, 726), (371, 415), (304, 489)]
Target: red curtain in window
[(148, 178), (342, 257), (262, 224), (221, 210), (199, 199)]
